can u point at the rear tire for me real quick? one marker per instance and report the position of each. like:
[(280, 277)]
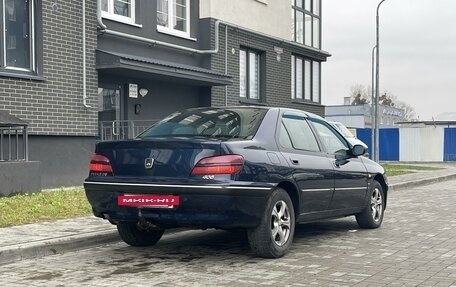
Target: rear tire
[(132, 235), (272, 238), (372, 216)]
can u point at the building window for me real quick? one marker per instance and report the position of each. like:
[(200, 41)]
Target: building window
[(305, 79), (119, 10), (249, 74), (18, 37), (173, 16), (305, 15)]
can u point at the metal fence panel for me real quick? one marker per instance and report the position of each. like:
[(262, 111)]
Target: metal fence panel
[(13, 143), (432, 139), (449, 150), (389, 144), (365, 136), (410, 147), (122, 130)]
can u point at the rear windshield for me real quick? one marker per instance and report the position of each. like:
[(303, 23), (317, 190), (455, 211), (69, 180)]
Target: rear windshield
[(209, 122)]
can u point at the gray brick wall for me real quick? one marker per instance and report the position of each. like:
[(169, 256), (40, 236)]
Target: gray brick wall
[(53, 106), (278, 74)]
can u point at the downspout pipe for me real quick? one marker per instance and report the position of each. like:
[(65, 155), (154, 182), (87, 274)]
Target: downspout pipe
[(226, 63), (101, 25), (84, 57)]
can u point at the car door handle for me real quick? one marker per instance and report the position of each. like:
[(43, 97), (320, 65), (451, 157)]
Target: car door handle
[(294, 161)]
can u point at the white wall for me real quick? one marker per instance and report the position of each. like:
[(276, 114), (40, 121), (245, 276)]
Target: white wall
[(421, 144), (272, 17), (432, 143), (349, 121)]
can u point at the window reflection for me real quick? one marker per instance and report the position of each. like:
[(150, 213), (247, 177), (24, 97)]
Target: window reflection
[(305, 17), (305, 79), (18, 35), (209, 122)]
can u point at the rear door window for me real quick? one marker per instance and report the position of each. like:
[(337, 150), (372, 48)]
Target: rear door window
[(300, 135), (332, 141)]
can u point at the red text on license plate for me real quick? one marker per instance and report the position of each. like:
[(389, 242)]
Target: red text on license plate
[(148, 200)]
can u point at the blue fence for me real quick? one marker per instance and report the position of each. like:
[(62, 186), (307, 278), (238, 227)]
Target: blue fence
[(389, 143), (449, 144), (365, 136)]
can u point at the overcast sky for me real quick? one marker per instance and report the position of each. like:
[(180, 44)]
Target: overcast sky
[(417, 51)]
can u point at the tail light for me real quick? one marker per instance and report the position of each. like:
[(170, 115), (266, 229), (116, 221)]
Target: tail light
[(225, 164), (100, 165)]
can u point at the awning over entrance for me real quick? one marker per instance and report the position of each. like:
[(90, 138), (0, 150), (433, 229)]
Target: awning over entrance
[(149, 68), (8, 120)]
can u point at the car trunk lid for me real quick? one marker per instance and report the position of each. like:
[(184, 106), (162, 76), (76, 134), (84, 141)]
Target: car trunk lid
[(157, 157)]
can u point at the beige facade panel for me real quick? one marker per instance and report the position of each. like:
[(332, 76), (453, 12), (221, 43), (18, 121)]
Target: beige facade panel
[(270, 17)]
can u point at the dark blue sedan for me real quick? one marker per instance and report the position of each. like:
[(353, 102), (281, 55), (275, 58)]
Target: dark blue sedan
[(256, 168)]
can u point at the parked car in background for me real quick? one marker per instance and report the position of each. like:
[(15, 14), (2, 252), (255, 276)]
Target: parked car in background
[(348, 134), (261, 169)]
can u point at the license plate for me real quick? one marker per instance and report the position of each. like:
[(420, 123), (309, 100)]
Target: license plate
[(155, 201)]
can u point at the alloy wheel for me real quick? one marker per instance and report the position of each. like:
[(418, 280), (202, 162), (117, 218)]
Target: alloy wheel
[(376, 205), (280, 223)]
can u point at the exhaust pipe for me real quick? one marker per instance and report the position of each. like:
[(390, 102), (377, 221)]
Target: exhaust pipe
[(145, 225)]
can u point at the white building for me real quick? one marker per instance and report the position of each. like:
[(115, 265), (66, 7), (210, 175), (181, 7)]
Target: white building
[(360, 116)]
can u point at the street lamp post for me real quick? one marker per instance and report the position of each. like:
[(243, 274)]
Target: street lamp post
[(377, 89), (372, 104)]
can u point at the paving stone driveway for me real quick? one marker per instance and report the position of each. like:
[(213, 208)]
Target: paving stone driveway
[(416, 246)]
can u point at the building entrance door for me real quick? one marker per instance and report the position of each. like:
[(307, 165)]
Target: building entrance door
[(110, 114)]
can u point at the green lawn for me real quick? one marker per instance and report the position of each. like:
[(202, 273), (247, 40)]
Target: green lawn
[(398, 169), (43, 206)]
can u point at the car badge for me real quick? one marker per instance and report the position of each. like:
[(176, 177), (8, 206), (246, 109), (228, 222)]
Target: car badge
[(149, 163)]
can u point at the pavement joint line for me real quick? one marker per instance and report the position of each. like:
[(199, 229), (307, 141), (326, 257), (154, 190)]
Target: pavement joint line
[(62, 244)]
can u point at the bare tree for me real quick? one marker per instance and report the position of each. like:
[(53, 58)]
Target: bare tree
[(409, 111), (388, 99), (360, 94)]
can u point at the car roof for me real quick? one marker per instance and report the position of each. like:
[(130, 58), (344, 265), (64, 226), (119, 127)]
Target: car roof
[(308, 114)]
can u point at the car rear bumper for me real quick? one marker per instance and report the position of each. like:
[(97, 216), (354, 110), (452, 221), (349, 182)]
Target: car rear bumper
[(204, 206)]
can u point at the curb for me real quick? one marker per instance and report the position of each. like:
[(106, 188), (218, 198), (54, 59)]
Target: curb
[(37, 249), (420, 182)]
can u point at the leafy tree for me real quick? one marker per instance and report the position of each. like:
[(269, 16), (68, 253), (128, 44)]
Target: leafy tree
[(360, 95), (387, 100)]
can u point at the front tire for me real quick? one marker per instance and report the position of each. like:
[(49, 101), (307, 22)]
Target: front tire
[(372, 215), (132, 235), (273, 236)]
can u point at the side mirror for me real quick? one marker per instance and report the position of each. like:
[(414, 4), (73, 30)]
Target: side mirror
[(358, 150)]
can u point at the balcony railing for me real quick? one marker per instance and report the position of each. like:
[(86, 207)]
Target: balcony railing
[(13, 138), (121, 130), (13, 144)]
